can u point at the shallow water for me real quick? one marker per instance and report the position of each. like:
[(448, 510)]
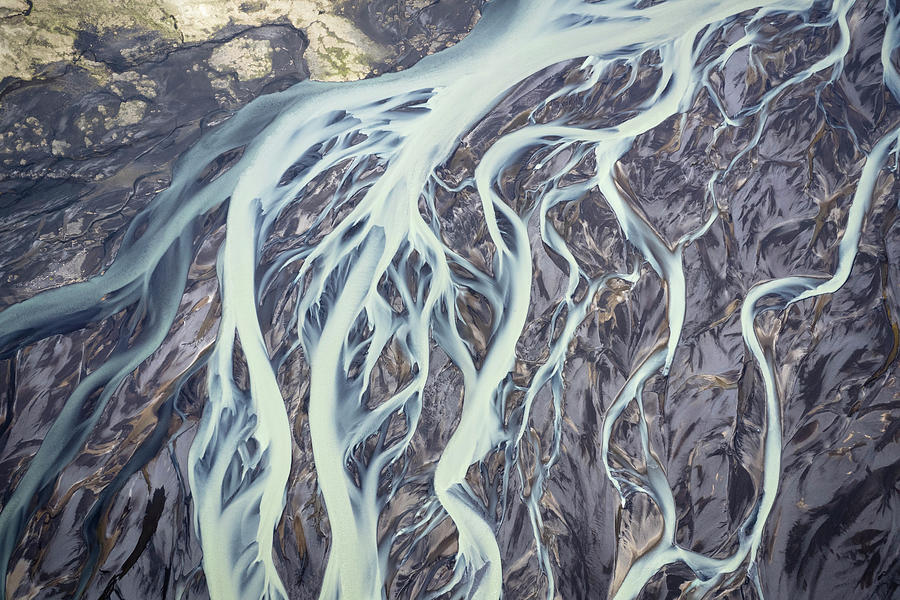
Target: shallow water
[(598, 302)]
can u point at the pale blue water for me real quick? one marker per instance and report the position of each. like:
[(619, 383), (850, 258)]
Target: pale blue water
[(373, 274)]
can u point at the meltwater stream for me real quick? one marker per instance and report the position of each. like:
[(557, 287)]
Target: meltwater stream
[(337, 212)]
